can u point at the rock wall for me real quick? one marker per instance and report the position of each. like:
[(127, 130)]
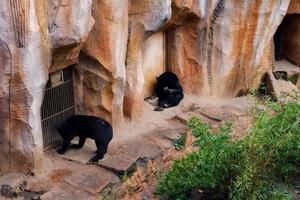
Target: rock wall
[(218, 47), (24, 63), (69, 24), (106, 45), (154, 61), (294, 7), (145, 18), (239, 42)]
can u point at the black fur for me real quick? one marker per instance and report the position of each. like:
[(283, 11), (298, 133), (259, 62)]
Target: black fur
[(168, 90), (85, 126)]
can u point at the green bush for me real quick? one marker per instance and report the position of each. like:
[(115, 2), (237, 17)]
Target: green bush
[(244, 169)]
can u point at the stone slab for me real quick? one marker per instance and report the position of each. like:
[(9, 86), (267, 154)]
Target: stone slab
[(65, 191), (117, 163), (82, 155), (142, 147), (122, 157), (92, 182)]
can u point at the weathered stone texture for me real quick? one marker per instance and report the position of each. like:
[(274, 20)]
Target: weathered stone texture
[(239, 43), (186, 60), (294, 7), (69, 24), (93, 82), (154, 61), (185, 11), (134, 73), (25, 59), (153, 14), (70, 21), (145, 18), (5, 63), (107, 44), (281, 90)]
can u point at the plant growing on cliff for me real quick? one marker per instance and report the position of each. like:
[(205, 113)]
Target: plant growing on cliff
[(246, 169)]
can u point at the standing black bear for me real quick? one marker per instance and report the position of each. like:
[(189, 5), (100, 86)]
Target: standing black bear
[(86, 127), (168, 90)]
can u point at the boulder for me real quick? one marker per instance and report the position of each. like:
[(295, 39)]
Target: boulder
[(69, 24), (282, 90)]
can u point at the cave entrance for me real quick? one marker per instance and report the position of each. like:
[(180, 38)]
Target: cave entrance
[(58, 105), (287, 44)]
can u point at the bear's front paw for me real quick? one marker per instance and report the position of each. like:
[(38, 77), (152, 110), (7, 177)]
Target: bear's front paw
[(60, 151)]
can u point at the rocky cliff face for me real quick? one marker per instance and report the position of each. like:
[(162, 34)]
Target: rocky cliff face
[(25, 61), (118, 47)]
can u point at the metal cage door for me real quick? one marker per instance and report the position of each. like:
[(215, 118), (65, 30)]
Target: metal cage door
[(58, 105)]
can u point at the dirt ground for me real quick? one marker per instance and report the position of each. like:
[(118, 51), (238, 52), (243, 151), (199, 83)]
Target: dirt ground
[(138, 155)]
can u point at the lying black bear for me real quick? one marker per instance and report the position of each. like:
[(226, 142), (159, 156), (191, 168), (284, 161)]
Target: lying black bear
[(85, 126), (168, 90)]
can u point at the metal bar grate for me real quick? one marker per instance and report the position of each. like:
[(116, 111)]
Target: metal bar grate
[(57, 106)]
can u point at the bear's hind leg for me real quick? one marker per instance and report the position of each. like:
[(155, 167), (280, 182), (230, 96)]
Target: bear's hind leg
[(80, 143), (101, 150), (64, 147)]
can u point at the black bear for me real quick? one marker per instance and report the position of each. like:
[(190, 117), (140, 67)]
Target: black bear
[(85, 126), (168, 90)]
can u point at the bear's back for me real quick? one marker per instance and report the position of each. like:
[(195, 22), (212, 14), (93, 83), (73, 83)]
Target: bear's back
[(89, 126)]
